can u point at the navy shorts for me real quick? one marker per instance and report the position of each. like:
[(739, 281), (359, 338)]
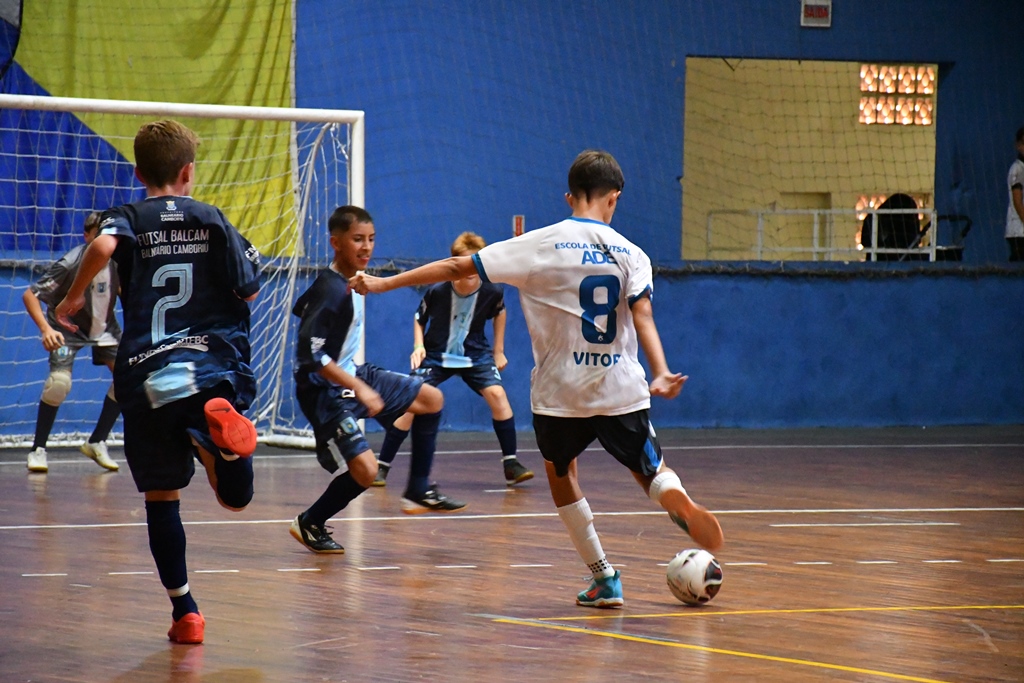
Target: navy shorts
[(158, 441), (630, 438), (333, 411), (477, 377)]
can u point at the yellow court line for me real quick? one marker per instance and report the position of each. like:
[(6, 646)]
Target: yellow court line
[(810, 610), (715, 650)]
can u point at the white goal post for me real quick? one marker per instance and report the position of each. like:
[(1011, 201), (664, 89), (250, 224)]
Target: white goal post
[(276, 172)]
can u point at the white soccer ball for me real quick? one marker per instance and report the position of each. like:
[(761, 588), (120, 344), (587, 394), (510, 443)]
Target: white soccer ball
[(694, 576)]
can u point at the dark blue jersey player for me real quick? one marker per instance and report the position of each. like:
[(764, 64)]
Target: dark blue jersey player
[(182, 367), (449, 339), (334, 392)]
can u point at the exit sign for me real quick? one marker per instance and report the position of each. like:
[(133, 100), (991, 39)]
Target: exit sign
[(816, 13)]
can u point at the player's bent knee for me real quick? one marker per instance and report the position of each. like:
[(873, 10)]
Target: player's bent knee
[(57, 387), (430, 399)]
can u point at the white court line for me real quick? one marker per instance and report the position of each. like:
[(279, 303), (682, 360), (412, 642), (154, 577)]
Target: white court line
[(873, 524), (455, 566), (377, 569), (812, 563), (215, 571), (300, 569), (38, 575), (1007, 559), (942, 561), (518, 515), (716, 447)]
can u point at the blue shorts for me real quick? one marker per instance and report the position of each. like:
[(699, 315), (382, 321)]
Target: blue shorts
[(630, 438), (477, 377), (333, 411), (158, 441)]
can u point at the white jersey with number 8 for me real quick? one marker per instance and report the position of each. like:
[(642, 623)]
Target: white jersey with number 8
[(577, 280)]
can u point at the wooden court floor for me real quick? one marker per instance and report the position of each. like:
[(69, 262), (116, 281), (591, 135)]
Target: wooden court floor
[(874, 555)]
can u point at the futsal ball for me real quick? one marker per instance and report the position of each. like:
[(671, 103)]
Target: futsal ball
[(694, 576)]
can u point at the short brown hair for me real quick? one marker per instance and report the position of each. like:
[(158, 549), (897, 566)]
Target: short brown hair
[(468, 242), (92, 221), (595, 172), (162, 149), (345, 216)]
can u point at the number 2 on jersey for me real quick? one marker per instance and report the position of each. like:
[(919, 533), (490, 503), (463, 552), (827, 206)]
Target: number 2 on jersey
[(182, 272), (592, 309)]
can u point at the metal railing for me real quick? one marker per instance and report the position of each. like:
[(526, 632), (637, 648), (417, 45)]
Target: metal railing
[(823, 234)]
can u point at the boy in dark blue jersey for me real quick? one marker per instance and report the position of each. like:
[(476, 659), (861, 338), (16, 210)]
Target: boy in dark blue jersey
[(449, 339), (182, 369), (334, 392)]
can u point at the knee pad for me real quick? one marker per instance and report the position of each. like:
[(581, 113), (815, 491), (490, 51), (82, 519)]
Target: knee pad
[(57, 387)]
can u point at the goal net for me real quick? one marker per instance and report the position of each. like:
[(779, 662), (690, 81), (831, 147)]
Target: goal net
[(277, 174)]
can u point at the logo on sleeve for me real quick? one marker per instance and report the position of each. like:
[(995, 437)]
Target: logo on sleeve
[(253, 255)]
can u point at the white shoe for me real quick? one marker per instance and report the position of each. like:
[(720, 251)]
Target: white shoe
[(37, 460), (98, 452)]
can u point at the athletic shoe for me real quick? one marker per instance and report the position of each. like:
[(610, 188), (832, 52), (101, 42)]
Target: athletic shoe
[(432, 500), (515, 473), (189, 629), (230, 430), (314, 536), (605, 593), (382, 475), (98, 452), (37, 460)]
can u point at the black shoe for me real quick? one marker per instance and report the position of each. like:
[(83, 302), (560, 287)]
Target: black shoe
[(515, 473), (314, 536), (382, 475), (432, 500)]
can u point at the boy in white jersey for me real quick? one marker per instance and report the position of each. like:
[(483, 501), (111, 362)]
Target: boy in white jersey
[(98, 329), (585, 291)]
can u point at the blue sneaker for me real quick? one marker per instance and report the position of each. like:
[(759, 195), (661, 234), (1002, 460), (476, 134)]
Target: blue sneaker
[(606, 593)]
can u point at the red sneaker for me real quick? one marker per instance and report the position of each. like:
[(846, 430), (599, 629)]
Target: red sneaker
[(189, 629), (231, 430)]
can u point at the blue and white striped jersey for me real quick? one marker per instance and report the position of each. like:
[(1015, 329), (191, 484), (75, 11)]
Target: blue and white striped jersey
[(330, 328), (455, 336)]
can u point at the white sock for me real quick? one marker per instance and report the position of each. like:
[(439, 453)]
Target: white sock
[(579, 520)]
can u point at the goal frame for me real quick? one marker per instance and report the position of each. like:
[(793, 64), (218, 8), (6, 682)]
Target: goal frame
[(356, 171)]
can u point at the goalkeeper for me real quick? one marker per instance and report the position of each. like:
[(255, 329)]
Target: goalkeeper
[(97, 328)]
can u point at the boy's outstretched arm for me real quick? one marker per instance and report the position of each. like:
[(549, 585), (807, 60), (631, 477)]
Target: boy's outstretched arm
[(439, 271), (95, 259), (665, 383)]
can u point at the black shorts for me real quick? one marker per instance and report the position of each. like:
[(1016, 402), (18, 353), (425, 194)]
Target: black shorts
[(476, 377), (158, 441), (64, 357), (333, 411), (629, 438)]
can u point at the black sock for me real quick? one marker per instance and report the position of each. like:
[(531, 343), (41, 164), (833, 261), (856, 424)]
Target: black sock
[(108, 416), (167, 543), (424, 441), (393, 439), (234, 480), (44, 423), (342, 490), (506, 431)]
